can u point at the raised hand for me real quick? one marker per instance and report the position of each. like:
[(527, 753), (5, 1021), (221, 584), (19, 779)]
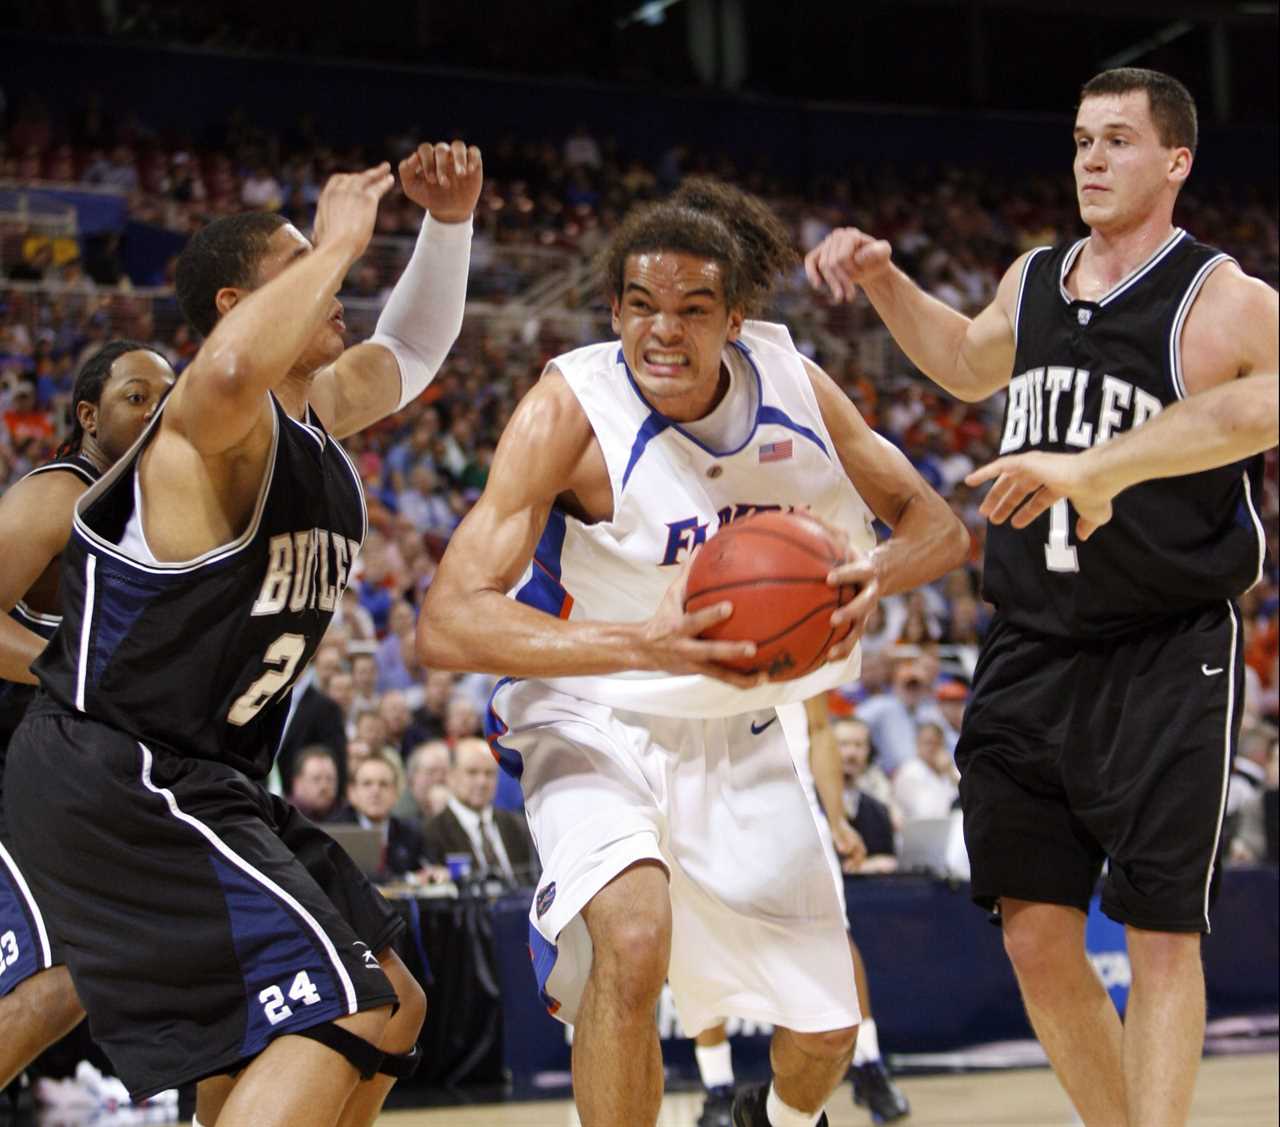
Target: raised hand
[(348, 208), (671, 638), (1027, 485), (445, 179), (845, 259)]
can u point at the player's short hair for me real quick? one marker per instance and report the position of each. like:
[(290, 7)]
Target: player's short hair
[(90, 381), (708, 219), (224, 253), (1173, 109)]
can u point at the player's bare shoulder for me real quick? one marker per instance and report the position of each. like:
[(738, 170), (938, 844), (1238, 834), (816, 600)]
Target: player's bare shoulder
[(1231, 329), (551, 436)]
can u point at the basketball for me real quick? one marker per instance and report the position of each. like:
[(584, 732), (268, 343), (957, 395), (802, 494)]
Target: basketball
[(773, 567)]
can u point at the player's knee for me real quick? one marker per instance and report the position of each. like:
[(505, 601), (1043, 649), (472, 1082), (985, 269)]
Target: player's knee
[(1040, 941), (411, 1015), (831, 1044), (1159, 955), (46, 1006), (633, 955)]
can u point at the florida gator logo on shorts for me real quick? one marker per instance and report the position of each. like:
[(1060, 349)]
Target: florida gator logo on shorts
[(546, 897)]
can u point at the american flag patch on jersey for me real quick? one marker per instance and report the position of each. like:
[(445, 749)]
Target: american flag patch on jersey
[(775, 451)]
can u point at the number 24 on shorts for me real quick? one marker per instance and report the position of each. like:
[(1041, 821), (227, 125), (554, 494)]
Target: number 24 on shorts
[(277, 1009)]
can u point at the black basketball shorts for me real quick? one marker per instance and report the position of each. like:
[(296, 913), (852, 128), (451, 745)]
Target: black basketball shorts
[(193, 933), (1073, 753)]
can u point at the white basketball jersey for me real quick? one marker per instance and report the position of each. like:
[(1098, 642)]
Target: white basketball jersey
[(670, 493)]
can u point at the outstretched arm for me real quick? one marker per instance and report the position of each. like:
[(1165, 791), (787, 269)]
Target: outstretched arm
[(971, 359), (469, 624), (222, 396), (1215, 428), (35, 521), (928, 538), (423, 314)]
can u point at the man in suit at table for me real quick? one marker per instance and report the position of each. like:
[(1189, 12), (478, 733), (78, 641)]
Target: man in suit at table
[(497, 840), (376, 783)]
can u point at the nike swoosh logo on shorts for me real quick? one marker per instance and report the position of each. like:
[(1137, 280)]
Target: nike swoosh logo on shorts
[(1210, 672), (755, 731)]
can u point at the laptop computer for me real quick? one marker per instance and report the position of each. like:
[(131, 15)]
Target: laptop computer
[(934, 845), (363, 846)]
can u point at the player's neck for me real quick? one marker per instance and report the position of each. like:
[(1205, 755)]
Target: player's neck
[(292, 393), (1115, 253), (93, 453)]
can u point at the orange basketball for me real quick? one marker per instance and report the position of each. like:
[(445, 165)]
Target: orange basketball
[(773, 567)]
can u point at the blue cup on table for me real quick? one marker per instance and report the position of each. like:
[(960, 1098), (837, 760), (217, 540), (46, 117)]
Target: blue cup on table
[(459, 866)]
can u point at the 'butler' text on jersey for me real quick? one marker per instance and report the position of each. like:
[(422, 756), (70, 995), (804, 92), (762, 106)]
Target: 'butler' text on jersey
[(1086, 371), (198, 658)]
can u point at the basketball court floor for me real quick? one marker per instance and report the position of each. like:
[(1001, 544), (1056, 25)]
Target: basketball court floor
[(1237, 1091)]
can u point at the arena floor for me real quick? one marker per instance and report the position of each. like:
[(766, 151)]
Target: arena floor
[(1240, 1091)]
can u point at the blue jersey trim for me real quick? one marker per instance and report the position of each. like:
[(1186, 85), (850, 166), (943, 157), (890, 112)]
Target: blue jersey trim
[(495, 727), (544, 955), (657, 422), (543, 588)]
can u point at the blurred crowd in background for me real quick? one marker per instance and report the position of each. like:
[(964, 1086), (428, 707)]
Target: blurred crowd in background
[(548, 206)]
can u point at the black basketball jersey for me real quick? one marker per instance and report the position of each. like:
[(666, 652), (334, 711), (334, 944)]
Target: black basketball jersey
[(1084, 372), (198, 658), (15, 695)]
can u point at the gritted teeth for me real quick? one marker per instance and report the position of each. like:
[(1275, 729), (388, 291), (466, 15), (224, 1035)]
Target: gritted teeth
[(666, 358)]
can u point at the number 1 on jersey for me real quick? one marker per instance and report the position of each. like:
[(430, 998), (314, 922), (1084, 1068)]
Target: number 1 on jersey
[(1059, 555)]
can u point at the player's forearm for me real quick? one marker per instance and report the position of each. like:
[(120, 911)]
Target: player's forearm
[(1215, 428), (929, 331), (19, 647), (928, 541), (254, 347), (423, 314), (487, 632)]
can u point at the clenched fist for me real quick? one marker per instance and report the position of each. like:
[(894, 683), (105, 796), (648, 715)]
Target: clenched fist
[(445, 179)]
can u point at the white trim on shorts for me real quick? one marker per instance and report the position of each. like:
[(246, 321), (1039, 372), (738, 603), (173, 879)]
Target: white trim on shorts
[(25, 890), (244, 866), (1226, 758)]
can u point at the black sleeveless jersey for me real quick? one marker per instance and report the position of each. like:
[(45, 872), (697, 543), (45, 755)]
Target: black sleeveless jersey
[(1088, 370), (198, 658), (15, 695)]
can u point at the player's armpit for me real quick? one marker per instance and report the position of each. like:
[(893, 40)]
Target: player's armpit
[(35, 521)]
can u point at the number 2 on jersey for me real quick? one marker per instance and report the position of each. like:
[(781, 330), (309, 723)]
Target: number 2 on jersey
[(284, 653), (1059, 555)]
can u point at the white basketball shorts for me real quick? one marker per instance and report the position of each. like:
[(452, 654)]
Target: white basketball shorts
[(757, 928)]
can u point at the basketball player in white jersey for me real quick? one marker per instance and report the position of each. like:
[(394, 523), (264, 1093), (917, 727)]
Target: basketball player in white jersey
[(675, 838)]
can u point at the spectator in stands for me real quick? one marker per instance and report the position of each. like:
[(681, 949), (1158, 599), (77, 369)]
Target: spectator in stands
[(375, 786), (1248, 778), (437, 691), (261, 191), (314, 788), (392, 673), (892, 716), (461, 719), (927, 785), (402, 733), (364, 675), (35, 263), (497, 840), (952, 697), (427, 794), (859, 762), (867, 814), (314, 718), (340, 689), (25, 423), (1257, 828)]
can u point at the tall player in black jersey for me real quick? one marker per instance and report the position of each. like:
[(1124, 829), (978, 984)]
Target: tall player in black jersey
[(200, 575), (1106, 700), (115, 393)]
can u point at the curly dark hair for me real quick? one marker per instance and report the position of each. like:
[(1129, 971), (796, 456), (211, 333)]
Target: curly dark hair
[(714, 220), (224, 253), (90, 381)]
